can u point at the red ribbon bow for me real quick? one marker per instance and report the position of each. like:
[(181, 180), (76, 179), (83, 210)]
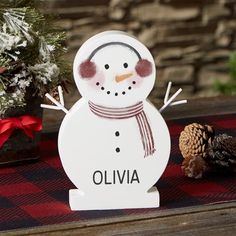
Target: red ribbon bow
[(28, 124)]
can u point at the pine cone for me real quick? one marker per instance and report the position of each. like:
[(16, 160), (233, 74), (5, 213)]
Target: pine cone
[(194, 140), (222, 152), (194, 167)]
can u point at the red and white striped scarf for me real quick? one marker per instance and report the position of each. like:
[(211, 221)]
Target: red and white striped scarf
[(126, 113)]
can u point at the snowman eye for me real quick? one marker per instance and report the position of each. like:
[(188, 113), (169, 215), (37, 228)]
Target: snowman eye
[(106, 66), (125, 65)]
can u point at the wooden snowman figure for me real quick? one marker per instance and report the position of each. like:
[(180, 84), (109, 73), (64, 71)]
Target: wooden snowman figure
[(113, 143)]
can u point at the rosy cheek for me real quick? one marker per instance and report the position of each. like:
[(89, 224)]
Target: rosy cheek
[(97, 81)]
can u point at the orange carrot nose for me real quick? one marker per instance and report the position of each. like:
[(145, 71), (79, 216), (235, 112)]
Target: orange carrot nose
[(120, 78)]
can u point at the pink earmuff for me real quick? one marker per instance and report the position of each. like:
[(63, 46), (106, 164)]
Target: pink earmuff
[(87, 69), (143, 67)]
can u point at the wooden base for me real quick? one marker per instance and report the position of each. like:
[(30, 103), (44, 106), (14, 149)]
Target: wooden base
[(105, 201)]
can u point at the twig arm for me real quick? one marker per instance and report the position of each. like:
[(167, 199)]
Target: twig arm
[(167, 92), (169, 102), (58, 105), (61, 95)]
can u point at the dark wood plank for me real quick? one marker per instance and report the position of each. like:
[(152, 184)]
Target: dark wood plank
[(202, 107), (201, 220)]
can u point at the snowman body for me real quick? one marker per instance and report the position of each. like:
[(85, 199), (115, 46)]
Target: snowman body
[(103, 155)]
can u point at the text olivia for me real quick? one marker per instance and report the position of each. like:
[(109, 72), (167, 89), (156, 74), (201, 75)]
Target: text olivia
[(115, 177)]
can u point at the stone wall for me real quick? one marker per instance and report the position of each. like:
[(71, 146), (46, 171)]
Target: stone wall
[(190, 39)]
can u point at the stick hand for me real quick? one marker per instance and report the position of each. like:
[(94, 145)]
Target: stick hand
[(58, 105)]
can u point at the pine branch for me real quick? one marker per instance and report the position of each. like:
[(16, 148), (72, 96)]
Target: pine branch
[(31, 49), (19, 3)]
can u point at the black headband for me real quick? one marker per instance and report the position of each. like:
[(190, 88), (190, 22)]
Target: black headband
[(113, 43)]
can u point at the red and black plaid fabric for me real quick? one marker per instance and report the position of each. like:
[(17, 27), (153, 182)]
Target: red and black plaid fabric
[(37, 194)]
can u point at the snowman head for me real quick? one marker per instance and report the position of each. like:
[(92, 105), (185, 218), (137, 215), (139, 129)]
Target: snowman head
[(113, 69)]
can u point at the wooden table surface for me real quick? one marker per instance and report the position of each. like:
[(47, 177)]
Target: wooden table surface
[(217, 219)]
